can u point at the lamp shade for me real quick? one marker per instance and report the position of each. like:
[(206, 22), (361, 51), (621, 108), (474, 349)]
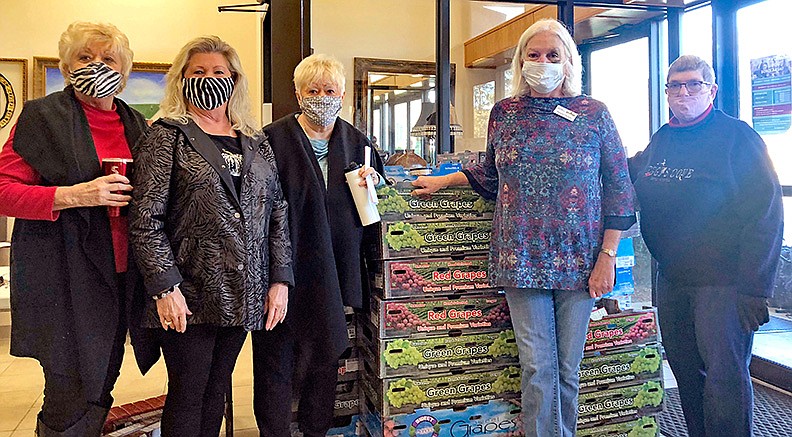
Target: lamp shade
[(427, 127)]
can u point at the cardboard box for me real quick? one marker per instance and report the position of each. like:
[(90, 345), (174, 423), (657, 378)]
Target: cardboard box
[(417, 356), (621, 368), (347, 401), (410, 240), (440, 315), (622, 330), (454, 203), (430, 276), (496, 418), (621, 404), (646, 426), (436, 392), (348, 364)]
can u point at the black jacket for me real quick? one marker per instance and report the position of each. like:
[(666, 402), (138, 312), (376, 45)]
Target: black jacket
[(326, 232), (189, 226), (64, 296)]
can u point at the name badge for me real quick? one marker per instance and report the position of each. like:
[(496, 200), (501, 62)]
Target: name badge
[(565, 113)]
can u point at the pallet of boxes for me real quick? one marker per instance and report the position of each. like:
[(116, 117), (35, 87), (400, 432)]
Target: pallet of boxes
[(437, 348), (621, 376)]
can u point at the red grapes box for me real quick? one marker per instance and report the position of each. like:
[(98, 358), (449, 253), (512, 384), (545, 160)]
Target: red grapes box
[(440, 315), (621, 367), (426, 276), (454, 203), (622, 330), (496, 418), (442, 391), (409, 240), (414, 356), (619, 404), (645, 426)]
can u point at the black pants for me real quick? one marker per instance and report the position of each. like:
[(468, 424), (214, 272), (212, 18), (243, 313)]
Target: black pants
[(199, 363), (65, 403), (280, 365)]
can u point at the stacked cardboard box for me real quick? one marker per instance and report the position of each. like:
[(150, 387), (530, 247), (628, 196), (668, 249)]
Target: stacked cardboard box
[(621, 376), (437, 350)]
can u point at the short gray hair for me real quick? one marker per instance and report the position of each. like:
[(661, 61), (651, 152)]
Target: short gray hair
[(692, 63), (317, 67), (573, 69)]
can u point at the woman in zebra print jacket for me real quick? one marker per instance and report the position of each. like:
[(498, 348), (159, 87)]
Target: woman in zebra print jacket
[(210, 232)]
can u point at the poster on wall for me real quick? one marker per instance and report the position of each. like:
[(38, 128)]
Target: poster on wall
[(13, 93), (771, 94)]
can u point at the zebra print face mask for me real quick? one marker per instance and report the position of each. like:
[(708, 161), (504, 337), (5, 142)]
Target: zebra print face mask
[(208, 93), (96, 80)]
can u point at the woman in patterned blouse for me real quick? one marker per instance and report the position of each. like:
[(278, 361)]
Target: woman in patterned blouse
[(558, 170)]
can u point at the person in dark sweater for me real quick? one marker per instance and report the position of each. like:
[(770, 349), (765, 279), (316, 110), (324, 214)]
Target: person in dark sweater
[(711, 215)]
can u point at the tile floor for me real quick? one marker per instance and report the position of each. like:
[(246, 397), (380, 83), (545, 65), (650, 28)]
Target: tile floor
[(21, 384)]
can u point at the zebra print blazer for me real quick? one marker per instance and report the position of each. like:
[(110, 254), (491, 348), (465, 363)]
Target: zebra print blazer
[(189, 226)]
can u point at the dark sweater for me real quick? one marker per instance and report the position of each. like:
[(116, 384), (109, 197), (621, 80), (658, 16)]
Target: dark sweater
[(711, 211)]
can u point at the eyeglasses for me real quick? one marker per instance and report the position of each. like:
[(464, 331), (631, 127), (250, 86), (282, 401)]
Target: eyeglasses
[(692, 86)]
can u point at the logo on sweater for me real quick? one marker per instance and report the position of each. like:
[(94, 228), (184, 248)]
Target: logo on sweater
[(662, 172)]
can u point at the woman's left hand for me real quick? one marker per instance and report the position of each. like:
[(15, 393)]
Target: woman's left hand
[(277, 302), (603, 276), (365, 171)]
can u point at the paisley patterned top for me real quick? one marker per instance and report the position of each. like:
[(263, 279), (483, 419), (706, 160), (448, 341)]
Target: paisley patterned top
[(559, 184)]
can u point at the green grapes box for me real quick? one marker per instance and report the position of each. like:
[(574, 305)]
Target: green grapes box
[(347, 399), (622, 330), (645, 426), (454, 203), (408, 240), (416, 356), (619, 404), (466, 387), (440, 315), (621, 368), (429, 276), (496, 418)]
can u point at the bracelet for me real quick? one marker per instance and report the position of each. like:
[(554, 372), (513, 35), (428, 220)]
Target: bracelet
[(163, 294)]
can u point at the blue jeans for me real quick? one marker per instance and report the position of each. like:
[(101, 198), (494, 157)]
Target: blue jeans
[(550, 327), (709, 353)]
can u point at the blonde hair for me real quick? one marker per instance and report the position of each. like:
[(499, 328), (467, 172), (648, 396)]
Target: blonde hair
[(573, 68), (80, 34), (317, 67), (174, 104)]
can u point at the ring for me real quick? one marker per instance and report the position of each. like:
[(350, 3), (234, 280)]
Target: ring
[(283, 310), (168, 322)]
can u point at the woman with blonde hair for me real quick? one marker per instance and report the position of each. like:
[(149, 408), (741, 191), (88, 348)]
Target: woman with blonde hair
[(558, 170), (311, 148), (69, 262), (210, 232)]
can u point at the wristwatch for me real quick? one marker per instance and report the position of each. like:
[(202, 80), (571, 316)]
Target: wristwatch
[(610, 252), (162, 295)]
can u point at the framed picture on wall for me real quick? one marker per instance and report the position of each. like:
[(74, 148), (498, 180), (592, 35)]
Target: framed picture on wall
[(144, 89), (13, 90)]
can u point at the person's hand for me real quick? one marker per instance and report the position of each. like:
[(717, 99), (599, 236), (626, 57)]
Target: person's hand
[(277, 303), (173, 311), (98, 192), (603, 276), (365, 171), (753, 311), (427, 185)]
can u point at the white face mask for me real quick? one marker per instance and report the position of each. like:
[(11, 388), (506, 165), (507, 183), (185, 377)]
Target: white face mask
[(543, 77)]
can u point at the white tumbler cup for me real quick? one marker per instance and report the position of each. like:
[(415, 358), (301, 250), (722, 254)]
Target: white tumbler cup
[(366, 208)]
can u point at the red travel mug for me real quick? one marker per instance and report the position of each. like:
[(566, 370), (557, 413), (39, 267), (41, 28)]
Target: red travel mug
[(116, 166)]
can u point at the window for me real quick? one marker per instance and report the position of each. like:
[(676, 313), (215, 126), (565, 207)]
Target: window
[(508, 81), (697, 33), (483, 100), (376, 131), (401, 127), (624, 90)]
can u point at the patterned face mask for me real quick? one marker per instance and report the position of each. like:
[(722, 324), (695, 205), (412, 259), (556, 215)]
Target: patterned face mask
[(208, 93), (321, 110), (96, 80)]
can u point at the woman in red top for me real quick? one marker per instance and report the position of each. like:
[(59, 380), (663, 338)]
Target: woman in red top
[(69, 259)]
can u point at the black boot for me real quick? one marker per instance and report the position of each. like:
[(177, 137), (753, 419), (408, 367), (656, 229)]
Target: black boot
[(90, 425)]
